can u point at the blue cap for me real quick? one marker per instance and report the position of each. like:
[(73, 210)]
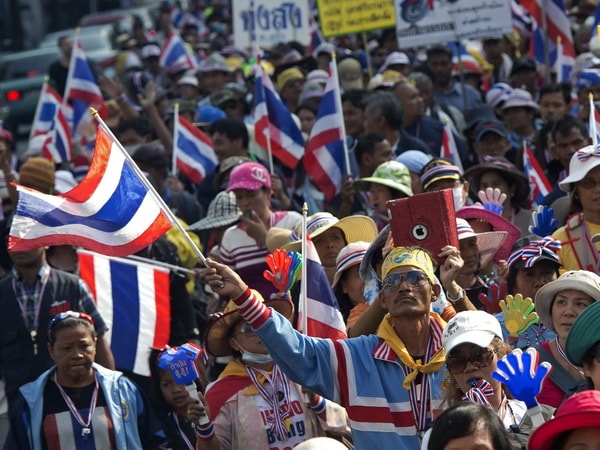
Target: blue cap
[(588, 78), (415, 160), (205, 115)]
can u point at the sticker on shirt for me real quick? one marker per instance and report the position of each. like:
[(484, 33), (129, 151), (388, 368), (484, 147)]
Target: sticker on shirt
[(58, 307)]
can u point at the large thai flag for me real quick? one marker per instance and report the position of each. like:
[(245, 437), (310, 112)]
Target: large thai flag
[(449, 149), (111, 211), (133, 299), (51, 121), (557, 24), (82, 91), (275, 128), (174, 52), (193, 152), (539, 186), (326, 158), (319, 304)]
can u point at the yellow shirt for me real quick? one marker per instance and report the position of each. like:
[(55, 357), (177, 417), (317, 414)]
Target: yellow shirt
[(567, 255)]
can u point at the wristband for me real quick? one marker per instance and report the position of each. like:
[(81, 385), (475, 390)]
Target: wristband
[(206, 431), (318, 406)]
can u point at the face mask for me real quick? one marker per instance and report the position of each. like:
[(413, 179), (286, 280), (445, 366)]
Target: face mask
[(256, 358), (457, 196)]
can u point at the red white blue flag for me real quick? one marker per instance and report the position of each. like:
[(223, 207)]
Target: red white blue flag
[(82, 91), (174, 53), (319, 304), (193, 153), (51, 121), (449, 150), (133, 299), (275, 128), (539, 186), (111, 211), (326, 156)]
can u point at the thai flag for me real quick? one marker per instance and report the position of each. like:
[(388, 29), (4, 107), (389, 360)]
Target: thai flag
[(562, 63), (82, 91), (50, 120), (594, 122), (449, 150), (557, 24), (521, 20), (133, 299), (326, 156), (319, 304), (174, 52), (112, 211), (193, 152), (316, 38), (275, 128), (539, 186)]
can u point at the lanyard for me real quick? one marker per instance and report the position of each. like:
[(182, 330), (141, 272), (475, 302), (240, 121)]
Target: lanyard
[(181, 432), (563, 355), (421, 395), (31, 323), (586, 248), (85, 426)]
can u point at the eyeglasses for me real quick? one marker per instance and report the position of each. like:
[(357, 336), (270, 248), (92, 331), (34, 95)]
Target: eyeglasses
[(415, 278), (245, 329), (480, 359), (69, 315), (588, 183)]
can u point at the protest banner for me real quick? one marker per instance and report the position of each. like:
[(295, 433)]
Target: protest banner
[(339, 17), (423, 22), (264, 23)]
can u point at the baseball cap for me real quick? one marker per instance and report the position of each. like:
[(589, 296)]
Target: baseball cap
[(523, 64), (250, 176), (150, 50), (394, 58), (190, 80), (350, 74), (519, 98), (439, 169), (470, 327), (492, 126)]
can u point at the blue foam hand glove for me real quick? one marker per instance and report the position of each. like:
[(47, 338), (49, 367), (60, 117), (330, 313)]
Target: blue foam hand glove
[(518, 372), (492, 199), (544, 223)]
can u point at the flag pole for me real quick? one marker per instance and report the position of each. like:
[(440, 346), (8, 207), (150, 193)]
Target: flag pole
[(338, 107), (158, 263), (70, 72), (38, 106), (592, 120), (175, 134), (163, 206), (268, 128), (303, 281)]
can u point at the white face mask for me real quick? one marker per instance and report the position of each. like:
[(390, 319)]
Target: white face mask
[(457, 196), (254, 358)]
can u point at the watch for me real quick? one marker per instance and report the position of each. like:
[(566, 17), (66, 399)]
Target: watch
[(460, 296)]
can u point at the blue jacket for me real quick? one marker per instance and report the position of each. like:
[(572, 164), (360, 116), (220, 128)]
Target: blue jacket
[(362, 374), (135, 427)]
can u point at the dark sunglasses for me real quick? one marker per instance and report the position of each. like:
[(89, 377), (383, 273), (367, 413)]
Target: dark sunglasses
[(480, 359), (69, 315), (415, 278)]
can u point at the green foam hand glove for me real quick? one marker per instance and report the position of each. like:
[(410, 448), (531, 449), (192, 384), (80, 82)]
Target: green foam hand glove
[(519, 314)]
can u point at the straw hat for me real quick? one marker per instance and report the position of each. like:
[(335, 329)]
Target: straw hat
[(219, 329), (578, 280), (355, 228), (487, 243)]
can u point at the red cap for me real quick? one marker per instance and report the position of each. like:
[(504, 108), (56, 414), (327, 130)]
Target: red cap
[(6, 135)]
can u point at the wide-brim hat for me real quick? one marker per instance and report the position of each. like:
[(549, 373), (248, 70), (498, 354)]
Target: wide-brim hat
[(277, 238), (218, 330), (578, 280), (392, 174), (488, 243), (498, 223), (355, 228), (351, 255), (504, 166), (584, 334), (222, 211), (582, 162), (581, 410)]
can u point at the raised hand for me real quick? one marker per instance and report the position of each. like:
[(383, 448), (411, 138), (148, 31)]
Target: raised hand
[(519, 314), (520, 372), (492, 199), (491, 300), (544, 223)]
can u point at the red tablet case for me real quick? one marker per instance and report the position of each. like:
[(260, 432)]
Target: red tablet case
[(424, 220)]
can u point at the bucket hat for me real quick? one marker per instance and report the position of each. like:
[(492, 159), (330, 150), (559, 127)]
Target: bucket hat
[(222, 212), (584, 334), (392, 174)]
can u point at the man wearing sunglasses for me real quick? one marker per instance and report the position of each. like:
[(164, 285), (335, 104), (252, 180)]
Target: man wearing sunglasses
[(390, 383)]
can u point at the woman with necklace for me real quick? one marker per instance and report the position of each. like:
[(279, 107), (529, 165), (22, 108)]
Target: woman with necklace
[(80, 404), (558, 304)]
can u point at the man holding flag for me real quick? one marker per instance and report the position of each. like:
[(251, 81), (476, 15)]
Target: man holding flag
[(389, 383)]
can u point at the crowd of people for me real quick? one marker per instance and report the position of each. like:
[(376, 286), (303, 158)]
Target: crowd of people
[(428, 329)]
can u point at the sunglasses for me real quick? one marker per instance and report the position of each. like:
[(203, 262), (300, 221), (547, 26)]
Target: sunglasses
[(415, 278), (69, 315), (480, 359)]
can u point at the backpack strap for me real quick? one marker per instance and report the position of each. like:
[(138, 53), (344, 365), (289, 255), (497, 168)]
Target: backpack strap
[(559, 374)]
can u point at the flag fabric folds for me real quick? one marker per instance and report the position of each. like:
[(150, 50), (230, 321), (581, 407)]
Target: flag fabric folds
[(174, 53), (449, 150), (593, 122), (133, 299), (326, 159), (111, 211), (51, 121), (539, 186), (82, 91), (275, 128), (193, 152), (319, 304)]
